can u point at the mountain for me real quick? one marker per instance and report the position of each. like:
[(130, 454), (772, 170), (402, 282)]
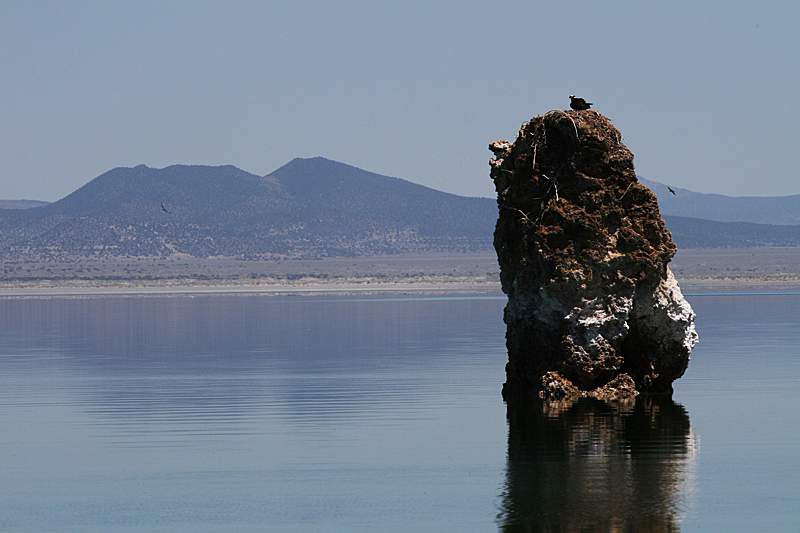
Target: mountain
[(307, 208), (316, 208), (688, 232), (699, 220), (756, 209)]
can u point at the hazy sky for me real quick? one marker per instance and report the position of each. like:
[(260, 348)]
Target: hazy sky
[(703, 92)]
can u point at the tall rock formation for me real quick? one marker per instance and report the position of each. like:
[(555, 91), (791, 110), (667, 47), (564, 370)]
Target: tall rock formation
[(593, 309)]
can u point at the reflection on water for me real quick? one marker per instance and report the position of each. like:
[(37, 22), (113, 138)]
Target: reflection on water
[(593, 466), (251, 414), (370, 414)]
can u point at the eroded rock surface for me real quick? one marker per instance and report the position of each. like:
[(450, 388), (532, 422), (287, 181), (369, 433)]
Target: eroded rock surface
[(583, 252)]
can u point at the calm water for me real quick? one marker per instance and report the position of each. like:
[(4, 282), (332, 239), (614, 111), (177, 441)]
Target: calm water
[(372, 414)]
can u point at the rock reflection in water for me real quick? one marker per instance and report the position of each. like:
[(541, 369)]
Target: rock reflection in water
[(589, 465)]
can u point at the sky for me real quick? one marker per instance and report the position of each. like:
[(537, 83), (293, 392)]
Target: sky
[(701, 91)]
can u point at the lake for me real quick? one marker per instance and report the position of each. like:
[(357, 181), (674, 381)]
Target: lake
[(322, 413)]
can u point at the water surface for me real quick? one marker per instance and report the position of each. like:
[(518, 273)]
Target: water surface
[(377, 414)]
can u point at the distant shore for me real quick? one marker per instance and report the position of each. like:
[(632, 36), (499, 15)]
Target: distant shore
[(738, 284), (751, 269), (422, 286), (183, 287), (763, 268)]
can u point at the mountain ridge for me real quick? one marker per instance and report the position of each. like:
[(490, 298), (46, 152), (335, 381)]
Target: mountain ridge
[(776, 210), (307, 208)]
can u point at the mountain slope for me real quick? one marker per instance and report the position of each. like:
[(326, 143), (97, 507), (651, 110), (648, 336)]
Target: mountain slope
[(308, 208), (314, 208), (755, 209), (688, 232), (340, 198)]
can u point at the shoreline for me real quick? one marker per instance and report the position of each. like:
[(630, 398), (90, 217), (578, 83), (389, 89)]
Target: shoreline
[(736, 269), (184, 287), (347, 286)]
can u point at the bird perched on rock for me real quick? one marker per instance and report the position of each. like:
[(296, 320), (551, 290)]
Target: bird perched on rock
[(578, 104)]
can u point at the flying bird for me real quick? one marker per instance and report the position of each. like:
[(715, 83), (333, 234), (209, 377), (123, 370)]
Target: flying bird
[(671, 190), (165, 209), (578, 104)]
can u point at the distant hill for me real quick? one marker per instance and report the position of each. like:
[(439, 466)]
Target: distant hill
[(21, 204), (699, 220), (688, 232), (756, 209), (317, 208), (310, 208)]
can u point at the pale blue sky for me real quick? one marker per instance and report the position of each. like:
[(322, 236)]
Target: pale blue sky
[(703, 92)]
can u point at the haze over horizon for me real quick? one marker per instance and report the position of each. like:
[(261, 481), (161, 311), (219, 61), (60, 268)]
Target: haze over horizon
[(415, 91)]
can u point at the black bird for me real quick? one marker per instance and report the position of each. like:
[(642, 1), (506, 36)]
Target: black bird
[(578, 104), (670, 190), (165, 209)]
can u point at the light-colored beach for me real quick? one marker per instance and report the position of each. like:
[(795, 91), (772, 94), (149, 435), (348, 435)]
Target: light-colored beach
[(87, 289), (749, 269), (193, 288)]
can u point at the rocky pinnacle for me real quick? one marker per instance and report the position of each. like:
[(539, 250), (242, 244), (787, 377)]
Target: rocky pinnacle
[(593, 309)]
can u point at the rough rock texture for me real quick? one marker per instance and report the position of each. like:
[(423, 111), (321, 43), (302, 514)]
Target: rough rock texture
[(583, 255)]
